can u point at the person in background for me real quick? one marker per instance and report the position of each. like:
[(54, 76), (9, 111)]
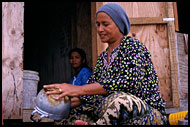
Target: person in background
[(123, 88), (78, 61)]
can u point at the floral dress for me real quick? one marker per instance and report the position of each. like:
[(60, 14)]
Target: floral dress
[(133, 96)]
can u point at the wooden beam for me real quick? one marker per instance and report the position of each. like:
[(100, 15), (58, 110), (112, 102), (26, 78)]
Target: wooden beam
[(147, 20), (12, 61), (173, 56), (94, 38), (97, 45), (176, 16)]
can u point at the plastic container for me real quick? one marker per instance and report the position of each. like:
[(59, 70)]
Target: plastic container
[(175, 117), (30, 85)]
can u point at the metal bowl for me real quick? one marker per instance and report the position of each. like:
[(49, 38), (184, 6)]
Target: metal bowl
[(48, 107)]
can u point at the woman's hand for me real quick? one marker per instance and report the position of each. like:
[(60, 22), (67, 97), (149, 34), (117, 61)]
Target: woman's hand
[(65, 89), (75, 101)]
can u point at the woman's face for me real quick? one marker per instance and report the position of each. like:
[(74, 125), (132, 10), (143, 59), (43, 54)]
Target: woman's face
[(106, 28), (75, 60)]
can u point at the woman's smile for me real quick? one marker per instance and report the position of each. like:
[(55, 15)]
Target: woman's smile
[(102, 36)]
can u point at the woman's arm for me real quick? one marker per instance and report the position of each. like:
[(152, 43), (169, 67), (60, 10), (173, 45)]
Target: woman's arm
[(92, 89), (73, 90)]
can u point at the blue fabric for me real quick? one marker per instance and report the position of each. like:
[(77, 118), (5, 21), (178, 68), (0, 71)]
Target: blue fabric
[(82, 77)]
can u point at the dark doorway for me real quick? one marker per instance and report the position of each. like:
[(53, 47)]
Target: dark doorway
[(52, 29)]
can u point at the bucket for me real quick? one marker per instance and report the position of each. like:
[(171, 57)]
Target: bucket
[(174, 117), (30, 83)]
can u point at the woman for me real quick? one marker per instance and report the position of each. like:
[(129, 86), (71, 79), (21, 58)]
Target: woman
[(123, 89), (78, 61)]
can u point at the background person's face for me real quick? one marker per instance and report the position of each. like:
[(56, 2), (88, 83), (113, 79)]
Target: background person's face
[(106, 28), (75, 60)]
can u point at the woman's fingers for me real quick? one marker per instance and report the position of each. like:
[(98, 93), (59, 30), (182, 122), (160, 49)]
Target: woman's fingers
[(51, 86), (53, 92), (54, 89), (61, 95)]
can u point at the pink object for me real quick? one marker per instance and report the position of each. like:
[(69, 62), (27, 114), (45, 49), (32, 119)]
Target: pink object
[(80, 122)]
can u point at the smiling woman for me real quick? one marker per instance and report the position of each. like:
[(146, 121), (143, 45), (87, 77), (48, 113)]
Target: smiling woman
[(108, 32), (107, 29), (123, 89)]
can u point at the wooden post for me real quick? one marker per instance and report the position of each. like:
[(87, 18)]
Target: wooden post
[(94, 38), (12, 59), (2, 114), (176, 16), (97, 45), (173, 56)]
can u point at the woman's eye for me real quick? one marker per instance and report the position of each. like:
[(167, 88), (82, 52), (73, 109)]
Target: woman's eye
[(97, 24), (77, 57), (105, 24)]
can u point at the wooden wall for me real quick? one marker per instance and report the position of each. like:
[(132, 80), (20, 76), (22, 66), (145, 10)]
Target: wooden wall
[(12, 59), (148, 26), (183, 70), (81, 29)]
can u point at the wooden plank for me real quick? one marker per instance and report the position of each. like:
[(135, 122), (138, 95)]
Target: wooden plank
[(143, 9), (173, 56), (26, 115), (176, 16), (97, 45), (101, 46), (12, 59), (183, 68), (147, 21), (93, 34)]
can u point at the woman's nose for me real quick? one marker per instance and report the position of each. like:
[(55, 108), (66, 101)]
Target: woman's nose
[(72, 60), (100, 28)]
